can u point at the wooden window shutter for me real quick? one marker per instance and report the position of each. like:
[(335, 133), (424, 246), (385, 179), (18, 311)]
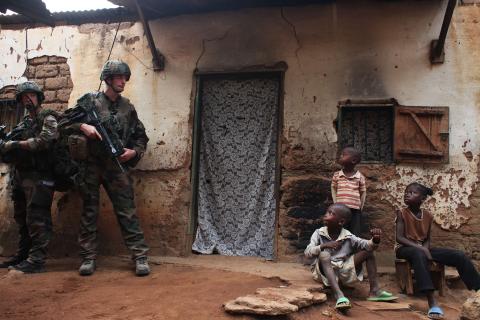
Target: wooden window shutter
[(421, 134)]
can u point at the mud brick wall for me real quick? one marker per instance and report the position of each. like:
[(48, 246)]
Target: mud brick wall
[(305, 196), (52, 74), (303, 203)]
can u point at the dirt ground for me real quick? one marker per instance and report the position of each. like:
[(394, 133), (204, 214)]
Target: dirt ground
[(172, 291)]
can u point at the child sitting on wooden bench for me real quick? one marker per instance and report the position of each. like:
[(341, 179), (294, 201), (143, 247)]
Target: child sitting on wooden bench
[(340, 255), (413, 226)]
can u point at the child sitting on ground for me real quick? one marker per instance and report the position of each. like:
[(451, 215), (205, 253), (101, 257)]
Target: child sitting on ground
[(340, 255), (413, 226), (348, 187)]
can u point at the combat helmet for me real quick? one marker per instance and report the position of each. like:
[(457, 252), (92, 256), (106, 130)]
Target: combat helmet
[(115, 67), (29, 86)]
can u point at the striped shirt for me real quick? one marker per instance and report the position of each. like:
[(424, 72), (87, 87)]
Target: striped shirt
[(348, 189)]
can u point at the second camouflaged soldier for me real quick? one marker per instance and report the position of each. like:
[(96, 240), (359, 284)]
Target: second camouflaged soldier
[(32, 179), (118, 115)]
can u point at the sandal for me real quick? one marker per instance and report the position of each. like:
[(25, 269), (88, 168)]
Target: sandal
[(343, 304), (435, 313), (383, 296)]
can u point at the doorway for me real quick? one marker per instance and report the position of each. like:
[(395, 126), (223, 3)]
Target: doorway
[(235, 167)]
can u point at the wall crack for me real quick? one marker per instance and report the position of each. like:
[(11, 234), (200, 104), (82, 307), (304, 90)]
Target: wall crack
[(295, 34), (204, 42)]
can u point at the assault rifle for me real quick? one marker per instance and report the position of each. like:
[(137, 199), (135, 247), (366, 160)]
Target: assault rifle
[(111, 143), (16, 132)]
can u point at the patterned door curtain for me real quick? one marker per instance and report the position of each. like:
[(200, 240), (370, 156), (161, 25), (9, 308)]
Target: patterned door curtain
[(236, 193)]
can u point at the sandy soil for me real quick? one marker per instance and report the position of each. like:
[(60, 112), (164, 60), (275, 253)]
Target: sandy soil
[(170, 292)]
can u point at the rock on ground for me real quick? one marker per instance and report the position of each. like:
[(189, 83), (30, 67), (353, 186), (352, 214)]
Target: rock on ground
[(12, 274), (471, 308), (254, 304), (276, 301)]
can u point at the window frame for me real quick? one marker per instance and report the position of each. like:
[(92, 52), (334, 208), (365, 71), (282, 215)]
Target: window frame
[(395, 109), (17, 112), (367, 104)]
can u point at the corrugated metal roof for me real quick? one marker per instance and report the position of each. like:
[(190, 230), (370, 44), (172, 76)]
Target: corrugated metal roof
[(152, 9), (75, 17), (31, 10), (162, 8)]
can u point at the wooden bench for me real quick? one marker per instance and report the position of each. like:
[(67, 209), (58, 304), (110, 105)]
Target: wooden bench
[(405, 276)]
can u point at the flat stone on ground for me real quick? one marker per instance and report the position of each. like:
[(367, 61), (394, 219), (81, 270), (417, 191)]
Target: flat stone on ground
[(276, 301), (471, 308), (254, 304)]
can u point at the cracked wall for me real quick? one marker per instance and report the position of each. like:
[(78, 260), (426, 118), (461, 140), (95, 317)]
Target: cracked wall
[(345, 50), (163, 104)]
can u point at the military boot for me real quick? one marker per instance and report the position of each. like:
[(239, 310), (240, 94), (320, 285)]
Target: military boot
[(141, 267), (87, 268), (12, 261), (28, 267)]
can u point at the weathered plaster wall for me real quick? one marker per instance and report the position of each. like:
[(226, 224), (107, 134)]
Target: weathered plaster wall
[(162, 103), (351, 49)]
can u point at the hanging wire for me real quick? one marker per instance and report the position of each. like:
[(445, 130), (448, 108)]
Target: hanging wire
[(26, 45), (111, 48)]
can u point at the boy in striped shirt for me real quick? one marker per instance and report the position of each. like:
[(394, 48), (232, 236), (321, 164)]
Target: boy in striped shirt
[(348, 187)]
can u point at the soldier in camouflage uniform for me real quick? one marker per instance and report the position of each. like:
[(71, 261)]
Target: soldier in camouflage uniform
[(32, 180), (119, 115)]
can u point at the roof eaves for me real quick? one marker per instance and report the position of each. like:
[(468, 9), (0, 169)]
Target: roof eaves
[(73, 17), (33, 10), (166, 8)]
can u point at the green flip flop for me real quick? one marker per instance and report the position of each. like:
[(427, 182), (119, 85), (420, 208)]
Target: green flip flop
[(383, 296), (343, 304)]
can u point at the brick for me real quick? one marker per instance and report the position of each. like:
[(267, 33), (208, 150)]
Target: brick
[(40, 82), (55, 59), (55, 106), (63, 95), (64, 69), (30, 72), (310, 213), (70, 83), (38, 60), (49, 96), (308, 192), (468, 2), (56, 83), (46, 71)]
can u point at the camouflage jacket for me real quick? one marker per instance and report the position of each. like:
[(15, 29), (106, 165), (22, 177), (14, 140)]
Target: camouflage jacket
[(40, 134), (119, 116), (43, 132)]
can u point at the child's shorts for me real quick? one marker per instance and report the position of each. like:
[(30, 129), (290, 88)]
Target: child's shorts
[(344, 270)]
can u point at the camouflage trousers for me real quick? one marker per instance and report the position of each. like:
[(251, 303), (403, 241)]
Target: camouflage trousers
[(119, 188), (32, 200)]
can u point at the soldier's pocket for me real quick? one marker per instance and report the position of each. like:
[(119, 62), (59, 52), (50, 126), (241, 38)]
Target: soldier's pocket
[(43, 194), (78, 146)]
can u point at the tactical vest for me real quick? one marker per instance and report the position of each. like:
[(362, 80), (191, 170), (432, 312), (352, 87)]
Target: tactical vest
[(55, 162), (39, 161)]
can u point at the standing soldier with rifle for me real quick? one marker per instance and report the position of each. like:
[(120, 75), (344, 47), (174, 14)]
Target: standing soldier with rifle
[(28, 147), (116, 140)]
